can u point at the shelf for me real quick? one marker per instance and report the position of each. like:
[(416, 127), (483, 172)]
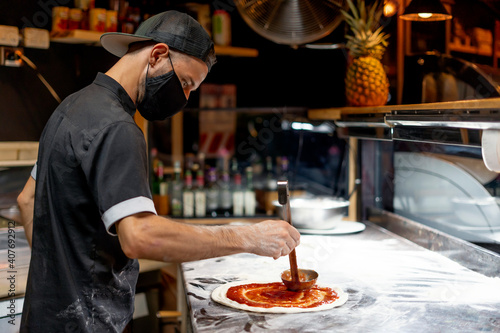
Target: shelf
[(470, 50), (234, 51), (336, 113), (23, 163), (18, 153), (77, 37), (94, 37)]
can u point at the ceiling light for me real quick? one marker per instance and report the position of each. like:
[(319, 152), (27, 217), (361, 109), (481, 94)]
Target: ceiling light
[(425, 10), (390, 8)]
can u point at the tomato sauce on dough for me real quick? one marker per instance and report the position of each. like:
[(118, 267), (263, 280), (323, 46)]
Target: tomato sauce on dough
[(275, 294)]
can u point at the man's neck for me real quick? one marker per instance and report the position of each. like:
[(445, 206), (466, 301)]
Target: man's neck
[(127, 72)]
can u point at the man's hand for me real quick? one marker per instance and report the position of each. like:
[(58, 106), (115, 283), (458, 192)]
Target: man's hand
[(272, 238)]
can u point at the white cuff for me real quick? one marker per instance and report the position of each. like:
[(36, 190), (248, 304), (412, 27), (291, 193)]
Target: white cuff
[(126, 208), (33, 172)]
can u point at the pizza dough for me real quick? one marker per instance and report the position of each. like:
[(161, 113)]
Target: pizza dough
[(219, 295)]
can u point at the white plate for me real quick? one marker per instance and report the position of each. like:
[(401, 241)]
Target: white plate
[(341, 228)]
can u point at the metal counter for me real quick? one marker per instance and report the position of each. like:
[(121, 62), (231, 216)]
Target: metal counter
[(394, 285)]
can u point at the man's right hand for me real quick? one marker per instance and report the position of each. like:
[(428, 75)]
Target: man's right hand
[(272, 238)]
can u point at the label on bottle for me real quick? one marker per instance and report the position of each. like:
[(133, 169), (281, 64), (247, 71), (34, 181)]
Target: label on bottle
[(176, 207), (221, 26), (163, 188), (238, 203), (188, 204), (200, 204), (212, 200), (225, 199), (250, 203)]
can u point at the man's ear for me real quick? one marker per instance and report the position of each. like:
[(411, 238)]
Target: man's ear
[(159, 53)]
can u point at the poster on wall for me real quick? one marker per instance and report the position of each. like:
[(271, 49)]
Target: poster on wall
[(217, 130)]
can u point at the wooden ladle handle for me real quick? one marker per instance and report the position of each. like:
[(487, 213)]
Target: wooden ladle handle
[(284, 199)]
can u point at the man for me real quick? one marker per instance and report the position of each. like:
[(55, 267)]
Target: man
[(93, 213)]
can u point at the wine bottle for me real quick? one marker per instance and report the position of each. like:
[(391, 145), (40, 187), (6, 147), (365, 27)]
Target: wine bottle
[(212, 193), (238, 196), (164, 204), (188, 195), (200, 198), (176, 193), (270, 181), (155, 184), (225, 196), (250, 201)]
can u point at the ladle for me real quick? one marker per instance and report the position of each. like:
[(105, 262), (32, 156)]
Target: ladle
[(294, 279)]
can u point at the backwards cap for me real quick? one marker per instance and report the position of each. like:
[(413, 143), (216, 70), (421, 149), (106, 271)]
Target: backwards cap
[(178, 30)]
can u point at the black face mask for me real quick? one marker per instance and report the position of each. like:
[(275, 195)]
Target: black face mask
[(163, 97)]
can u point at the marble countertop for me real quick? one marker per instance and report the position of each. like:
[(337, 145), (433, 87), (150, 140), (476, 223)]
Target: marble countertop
[(393, 285)]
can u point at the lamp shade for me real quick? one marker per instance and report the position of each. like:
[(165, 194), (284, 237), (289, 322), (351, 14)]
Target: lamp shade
[(425, 10)]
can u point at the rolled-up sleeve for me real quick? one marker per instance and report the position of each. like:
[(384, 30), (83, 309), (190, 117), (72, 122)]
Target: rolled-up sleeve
[(33, 172), (116, 168)]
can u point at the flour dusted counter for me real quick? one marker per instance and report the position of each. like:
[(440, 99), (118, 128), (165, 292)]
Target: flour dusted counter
[(393, 285)]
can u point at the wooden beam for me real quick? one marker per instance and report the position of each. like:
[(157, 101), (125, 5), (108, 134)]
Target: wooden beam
[(352, 214), (324, 114), (235, 51), (400, 54)]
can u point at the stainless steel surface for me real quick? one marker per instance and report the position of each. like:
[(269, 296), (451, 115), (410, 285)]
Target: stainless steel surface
[(472, 119), (393, 284), (444, 135), (473, 257), (459, 127), (360, 123), (319, 212)]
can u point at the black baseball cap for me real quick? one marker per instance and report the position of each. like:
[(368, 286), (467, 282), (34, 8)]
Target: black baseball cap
[(178, 30)]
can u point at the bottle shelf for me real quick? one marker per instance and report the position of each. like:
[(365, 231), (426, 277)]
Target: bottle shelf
[(93, 38), (471, 50), (76, 37)]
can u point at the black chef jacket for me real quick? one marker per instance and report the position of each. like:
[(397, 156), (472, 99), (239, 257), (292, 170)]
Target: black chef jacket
[(92, 170)]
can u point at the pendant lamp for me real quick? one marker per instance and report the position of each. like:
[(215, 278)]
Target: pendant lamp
[(425, 10)]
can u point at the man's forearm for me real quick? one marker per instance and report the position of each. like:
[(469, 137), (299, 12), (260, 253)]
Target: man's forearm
[(156, 238), (28, 231), (147, 236), (26, 203)]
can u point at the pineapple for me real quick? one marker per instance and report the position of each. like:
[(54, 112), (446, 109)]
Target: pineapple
[(366, 81)]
